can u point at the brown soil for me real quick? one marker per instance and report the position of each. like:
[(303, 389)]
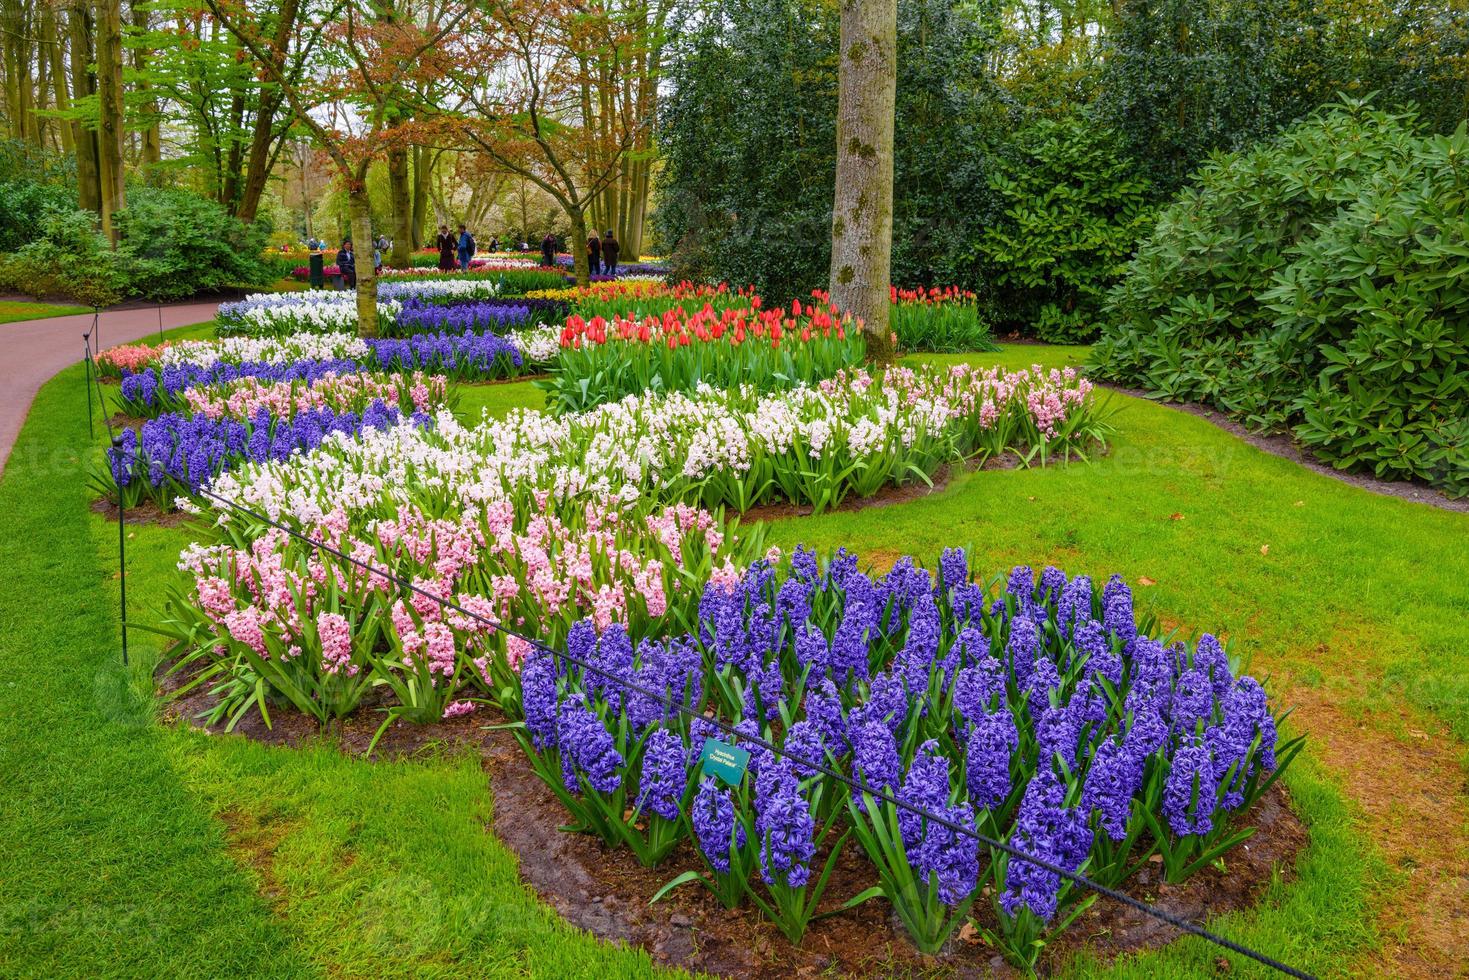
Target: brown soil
[(885, 497), (1404, 771), (147, 512), (1286, 447), (607, 893)]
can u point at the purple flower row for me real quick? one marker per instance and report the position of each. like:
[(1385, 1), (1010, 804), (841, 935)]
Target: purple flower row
[(1042, 715)]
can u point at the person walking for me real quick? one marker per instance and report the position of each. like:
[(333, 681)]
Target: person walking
[(548, 250), (466, 248), (610, 250), (347, 265), (448, 244), (594, 255)]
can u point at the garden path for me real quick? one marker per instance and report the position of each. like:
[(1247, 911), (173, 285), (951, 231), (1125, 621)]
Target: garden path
[(34, 350)]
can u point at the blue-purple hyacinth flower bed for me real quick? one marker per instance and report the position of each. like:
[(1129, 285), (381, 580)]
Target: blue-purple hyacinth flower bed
[(465, 356), (1041, 712)]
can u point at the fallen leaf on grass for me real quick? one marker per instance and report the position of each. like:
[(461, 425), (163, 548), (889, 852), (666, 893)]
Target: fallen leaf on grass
[(1144, 580), (968, 934), (1264, 549), (1175, 517)]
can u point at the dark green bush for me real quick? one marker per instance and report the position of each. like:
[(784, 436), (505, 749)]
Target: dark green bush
[(1315, 283), (1074, 210), (180, 244)]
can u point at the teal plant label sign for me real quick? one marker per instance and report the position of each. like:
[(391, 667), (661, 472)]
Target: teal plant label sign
[(725, 761)]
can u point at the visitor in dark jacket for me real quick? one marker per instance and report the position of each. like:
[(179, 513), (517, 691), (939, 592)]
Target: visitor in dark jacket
[(610, 249), (466, 248), (548, 250), (447, 245), (347, 265), (594, 255)]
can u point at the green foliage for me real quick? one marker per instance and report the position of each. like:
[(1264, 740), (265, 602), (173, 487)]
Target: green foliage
[(171, 244), (181, 244), (1381, 297), (1315, 282), (1074, 209), (34, 183)]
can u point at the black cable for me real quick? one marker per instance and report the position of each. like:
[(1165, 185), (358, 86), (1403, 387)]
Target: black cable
[(882, 795)]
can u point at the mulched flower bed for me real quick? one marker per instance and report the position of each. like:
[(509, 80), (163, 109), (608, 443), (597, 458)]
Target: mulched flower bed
[(606, 892)]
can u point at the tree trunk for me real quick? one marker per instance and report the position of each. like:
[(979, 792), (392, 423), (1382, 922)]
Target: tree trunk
[(862, 207), (361, 213), (152, 137), (110, 113), (422, 168), (260, 158), (400, 198), (578, 244), (89, 185), (51, 30)]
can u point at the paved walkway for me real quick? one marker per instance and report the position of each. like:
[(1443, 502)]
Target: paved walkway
[(34, 350)]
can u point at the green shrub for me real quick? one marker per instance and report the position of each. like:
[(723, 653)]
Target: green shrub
[(1315, 283), (1074, 209), (181, 244), (1378, 305), (69, 257)]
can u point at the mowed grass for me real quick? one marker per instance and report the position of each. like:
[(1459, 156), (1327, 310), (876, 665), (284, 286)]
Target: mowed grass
[(138, 849), (16, 311)]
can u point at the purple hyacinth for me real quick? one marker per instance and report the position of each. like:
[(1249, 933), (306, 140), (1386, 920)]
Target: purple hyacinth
[(805, 745), (1190, 792), (1209, 657), (538, 698), (614, 663), (887, 702), (804, 565), (950, 856), (977, 689), (714, 824), (1148, 732), (915, 661), (875, 760), (1115, 776), (1117, 613), (1053, 582), (1022, 648), (1021, 585), (1047, 829), (993, 740), (953, 568), (665, 772), (587, 748), (1043, 680), (824, 710), (812, 650), (783, 821), (926, 786), (793, 601), (1193, 701)]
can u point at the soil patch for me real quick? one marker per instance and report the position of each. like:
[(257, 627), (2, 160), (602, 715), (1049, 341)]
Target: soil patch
[(885, 497), (1285, 446), (147, 512), (606, 891)]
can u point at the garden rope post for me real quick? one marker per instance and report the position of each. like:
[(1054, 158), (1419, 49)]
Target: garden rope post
[(856, 783), (87, 366), (122, 547)]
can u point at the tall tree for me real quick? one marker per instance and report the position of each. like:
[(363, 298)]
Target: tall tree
[(110, 114), (862, 208)]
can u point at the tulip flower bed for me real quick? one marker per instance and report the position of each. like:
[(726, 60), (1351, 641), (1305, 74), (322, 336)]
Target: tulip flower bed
[(1045, 716), (934, 319), (640, 297), (605, 360), (812, 446)]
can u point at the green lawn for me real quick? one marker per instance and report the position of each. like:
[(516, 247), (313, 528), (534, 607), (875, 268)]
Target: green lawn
[(16, 311), (131, 845)]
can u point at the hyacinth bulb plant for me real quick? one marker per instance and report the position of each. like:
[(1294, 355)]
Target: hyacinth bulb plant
[(1037, 712)]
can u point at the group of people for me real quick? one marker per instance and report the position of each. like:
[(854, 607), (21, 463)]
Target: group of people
[(347, 258), (455, 251), (602, 254)]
